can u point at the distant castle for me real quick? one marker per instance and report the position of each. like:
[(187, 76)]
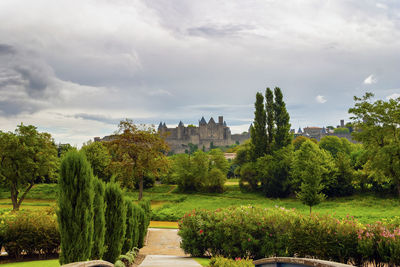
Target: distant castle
[(206, 135)]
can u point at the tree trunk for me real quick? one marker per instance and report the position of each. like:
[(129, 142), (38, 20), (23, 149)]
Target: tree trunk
[(14, 197), (141, 188), (310, 210)]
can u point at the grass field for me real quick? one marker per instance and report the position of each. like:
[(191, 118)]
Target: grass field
[(168, 205), (43, 263)]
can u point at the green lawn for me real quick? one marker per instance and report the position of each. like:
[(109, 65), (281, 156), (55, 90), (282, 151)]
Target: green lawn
[(169, 205), (44, 263), (203, 261)]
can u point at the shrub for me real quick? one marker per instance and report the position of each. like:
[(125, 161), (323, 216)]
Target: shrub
[(75, 208), (257, 233), (144, 220), (128, 259), (33, 233), (223, 262), (130, 226), (99, 223), (215, 181), (115, 221)]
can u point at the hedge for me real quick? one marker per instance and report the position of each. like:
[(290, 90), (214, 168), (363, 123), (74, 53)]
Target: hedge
[(33, 233), (258, 233)]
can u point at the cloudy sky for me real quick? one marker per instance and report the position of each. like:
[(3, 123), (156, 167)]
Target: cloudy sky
[(75, 68)]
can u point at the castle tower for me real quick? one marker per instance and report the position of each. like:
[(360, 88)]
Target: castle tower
[(180, 130), (221, 120)]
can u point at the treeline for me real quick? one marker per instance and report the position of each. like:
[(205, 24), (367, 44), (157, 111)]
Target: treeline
[(277, 165)]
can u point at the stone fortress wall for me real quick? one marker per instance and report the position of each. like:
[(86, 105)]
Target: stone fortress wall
[(207, 133)]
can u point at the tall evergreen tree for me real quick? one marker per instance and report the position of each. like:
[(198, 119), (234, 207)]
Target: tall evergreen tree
[(258, 131), (75, 208), (269, 108), (130, 227), (99, 207), (115, 221), (282, 137)]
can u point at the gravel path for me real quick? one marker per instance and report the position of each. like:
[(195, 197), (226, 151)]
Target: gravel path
[(163, 249)]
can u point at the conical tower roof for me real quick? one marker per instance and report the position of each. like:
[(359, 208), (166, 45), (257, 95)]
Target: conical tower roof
[(202, 121), (180, 124), (211, 120)]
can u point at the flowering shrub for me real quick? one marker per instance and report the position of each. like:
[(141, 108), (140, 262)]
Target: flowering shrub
[(257, 233), (30, 233), (224, 262)]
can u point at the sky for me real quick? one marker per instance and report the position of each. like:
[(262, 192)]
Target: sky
[(76, 68)]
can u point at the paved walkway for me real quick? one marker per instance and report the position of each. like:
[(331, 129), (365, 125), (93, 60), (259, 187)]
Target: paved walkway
[(163, 249)]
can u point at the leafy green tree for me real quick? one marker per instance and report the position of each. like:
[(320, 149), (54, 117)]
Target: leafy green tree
[(215, 181), (275, 171), (334, 145), (341, 130), (377, 126), (115, 221), (137, 151), (218, 160), (144, 221), (249, 175), (344, 176), (299, 140), (258, 130), (75, 208), (282, 136), (308, 169), (99, 157), (26, 156), (99, 222), (269, 108)]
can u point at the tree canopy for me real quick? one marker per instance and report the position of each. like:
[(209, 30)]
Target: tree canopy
[(26, 157), (377, 126)]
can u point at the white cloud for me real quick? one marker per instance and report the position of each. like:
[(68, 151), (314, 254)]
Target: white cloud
[(393, 96), (320, 99), (380, 5), (371, 79)]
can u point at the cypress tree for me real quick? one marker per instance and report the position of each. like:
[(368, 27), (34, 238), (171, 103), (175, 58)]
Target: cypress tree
[(130, 227), (144, 220), (99, 207), (258, 131), (141, 227), (282, 136), (269, 108), (75, 208), (115, 221)]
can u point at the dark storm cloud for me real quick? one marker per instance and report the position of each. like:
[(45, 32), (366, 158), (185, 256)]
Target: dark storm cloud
[(6, 49)]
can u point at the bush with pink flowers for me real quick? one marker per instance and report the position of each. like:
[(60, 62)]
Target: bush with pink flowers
[(258, 233)]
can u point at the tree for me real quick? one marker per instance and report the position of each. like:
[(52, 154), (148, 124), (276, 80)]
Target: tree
[(137, 151), (115, 221), (258, 131), (341, 130), (130, 226), (275, 171), (99, 157), (298, 141), (99, 223), (308, 169), (218, 160), (269, 108), (377, 126), (75, 208), (26, 156), (282, 136), (334, 145)]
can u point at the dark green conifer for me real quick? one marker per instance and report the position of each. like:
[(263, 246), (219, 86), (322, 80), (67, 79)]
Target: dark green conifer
[(269, 108), (282, 136), (75, 208), (115, 221), (99, 207), (130, 227), (258, 131)]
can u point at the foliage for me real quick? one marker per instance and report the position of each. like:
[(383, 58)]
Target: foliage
[(309, 166), (224, 262), (115, 216), (201, 171), (99, 157), (144, 220), (75, 208), (270, 113), (127, 259), (33, 233), (99, 223), (249, 175), (130, 226), (282, 135), (253, 232), (26, 157), (275, 172), (377, 127), (298, 141), (258, 130), (136, 152), (341, 130), (334, 145)]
